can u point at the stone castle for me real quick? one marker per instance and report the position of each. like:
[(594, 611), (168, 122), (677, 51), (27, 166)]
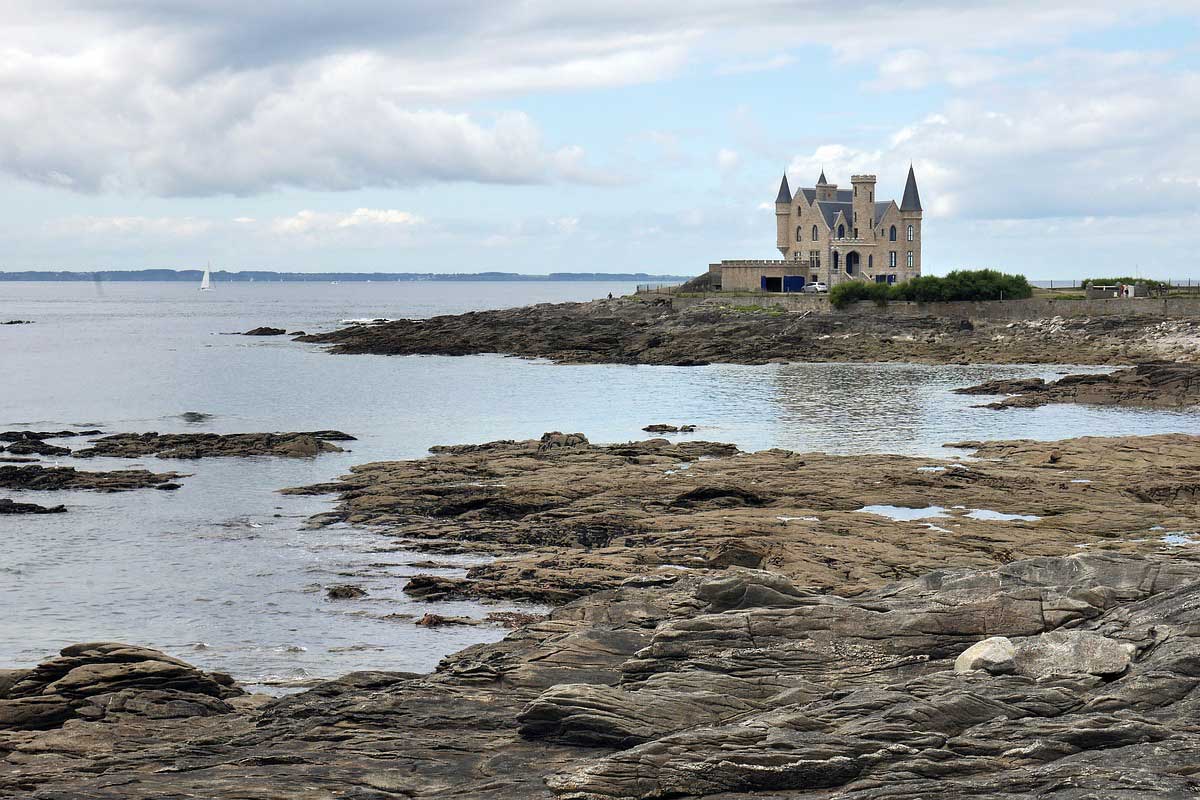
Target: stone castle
[(830, 235)]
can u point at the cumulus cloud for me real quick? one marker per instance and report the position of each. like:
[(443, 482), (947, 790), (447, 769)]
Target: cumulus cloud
[(306, 222), (200, 97)]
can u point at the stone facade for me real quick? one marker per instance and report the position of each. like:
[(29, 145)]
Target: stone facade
[(830, 235)]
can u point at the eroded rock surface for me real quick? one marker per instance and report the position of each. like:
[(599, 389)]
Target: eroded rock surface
[(743, 685), (12, 507), (36, 477), (631, 331), (209, 445), (1156, 385), (94, 680), (567, 518)]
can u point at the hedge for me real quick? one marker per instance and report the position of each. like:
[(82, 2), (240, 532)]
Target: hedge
[(979, 284)]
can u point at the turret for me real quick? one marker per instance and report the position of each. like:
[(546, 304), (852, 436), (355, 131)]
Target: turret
[(825, 190), (863, 219), (783, 216), (910, 217)]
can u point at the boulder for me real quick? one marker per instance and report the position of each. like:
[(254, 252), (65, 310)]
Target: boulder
[(994, 655)]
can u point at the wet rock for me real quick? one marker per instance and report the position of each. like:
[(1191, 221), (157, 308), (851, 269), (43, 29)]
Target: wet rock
[(98, 679), (656, 691), (513, 619), (38, 478), (664, 428), (265, 331), (630, 331), (574, 520), (11, 507), (345, 592), (17, 322), (195, 416), (431, 620), (36, 447), (994, 655), (28, 436), (1152, 385), (210, 445)]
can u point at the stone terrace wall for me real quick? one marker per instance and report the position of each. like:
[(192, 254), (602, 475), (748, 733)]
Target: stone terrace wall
[(1032, 308)]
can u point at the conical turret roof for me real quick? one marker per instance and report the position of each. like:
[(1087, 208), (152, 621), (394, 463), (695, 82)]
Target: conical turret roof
[(821, 180), (785, 192), (912, 199)]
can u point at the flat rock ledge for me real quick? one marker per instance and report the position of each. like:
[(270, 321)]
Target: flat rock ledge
[(1155, 385), (564, 517), (633, 331), (8, 506), (304, 444), (738, 684), (35, 477)]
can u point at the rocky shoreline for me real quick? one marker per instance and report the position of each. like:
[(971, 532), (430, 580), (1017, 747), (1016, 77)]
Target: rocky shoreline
[(1155, 385), (22, 447), (1074, 671), (633, 331), (565, 517), (726, 624)]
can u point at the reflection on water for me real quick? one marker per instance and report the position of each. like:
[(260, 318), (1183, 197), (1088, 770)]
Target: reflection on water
[(222, 573)]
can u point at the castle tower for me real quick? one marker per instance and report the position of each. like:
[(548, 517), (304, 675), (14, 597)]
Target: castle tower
[(826, 191), (783, 218), (863, 219), (910, 216)]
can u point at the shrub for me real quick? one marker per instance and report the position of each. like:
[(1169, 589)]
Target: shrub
[(979, 284), (843, 294)]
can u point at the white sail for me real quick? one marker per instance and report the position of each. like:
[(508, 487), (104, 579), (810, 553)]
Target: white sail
[(205, 282)]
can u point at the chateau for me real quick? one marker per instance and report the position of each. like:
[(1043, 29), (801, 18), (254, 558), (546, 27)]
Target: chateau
[(829, 235)]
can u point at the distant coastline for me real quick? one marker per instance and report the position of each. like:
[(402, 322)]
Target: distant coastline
[(264, 276)]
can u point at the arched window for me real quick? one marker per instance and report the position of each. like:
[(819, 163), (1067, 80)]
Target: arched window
[(892, 234), (870, 261), (799, 232), (815, 233), (910, 233), (841, 231), (799, 211)]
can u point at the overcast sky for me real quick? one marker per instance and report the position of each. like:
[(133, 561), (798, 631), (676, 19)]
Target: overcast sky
[(1058, 139)]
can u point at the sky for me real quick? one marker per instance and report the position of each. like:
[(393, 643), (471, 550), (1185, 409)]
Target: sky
[(1056, 139)]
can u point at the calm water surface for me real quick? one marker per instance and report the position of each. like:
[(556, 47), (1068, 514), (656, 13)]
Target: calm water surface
[(222, 573)]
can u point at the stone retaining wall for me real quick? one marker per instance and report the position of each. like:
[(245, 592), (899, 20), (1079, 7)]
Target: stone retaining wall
[(1032, 308)]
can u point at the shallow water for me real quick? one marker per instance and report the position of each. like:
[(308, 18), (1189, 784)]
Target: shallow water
[(211, 574)]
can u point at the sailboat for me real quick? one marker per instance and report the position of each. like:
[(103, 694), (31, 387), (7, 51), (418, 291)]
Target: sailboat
[(206, 281)]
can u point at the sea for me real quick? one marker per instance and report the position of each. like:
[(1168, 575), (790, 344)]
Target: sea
[(224, 572)]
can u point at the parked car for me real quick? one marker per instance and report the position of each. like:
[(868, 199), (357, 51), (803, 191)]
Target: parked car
[(816, 288)]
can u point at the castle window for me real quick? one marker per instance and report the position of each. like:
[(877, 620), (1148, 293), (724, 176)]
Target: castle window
[(855, 217), (836, 262), (814, 258), (814, 233), (870, 197), (892, 234), (799, 231), (870, 261), (892, 259), (841, 231), (910, 233), (856, 233), (799, 211), (910, 259)]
